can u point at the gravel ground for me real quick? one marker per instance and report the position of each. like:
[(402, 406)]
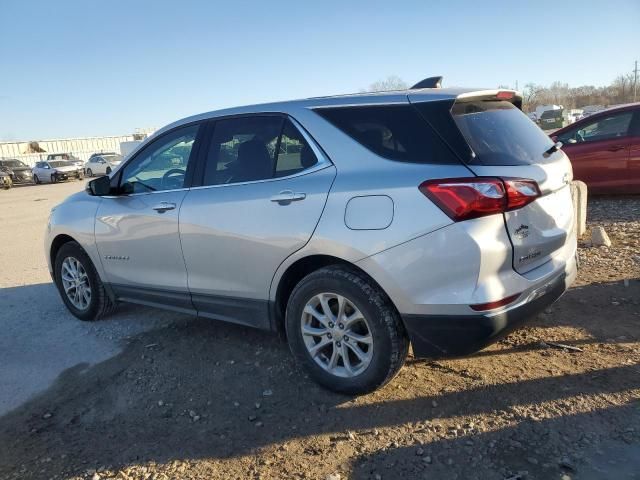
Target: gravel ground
[(154, 395)]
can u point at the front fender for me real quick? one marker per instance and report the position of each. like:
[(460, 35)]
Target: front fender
[(74, 218)]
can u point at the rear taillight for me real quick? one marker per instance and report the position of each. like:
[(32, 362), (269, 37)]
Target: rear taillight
[(520, 192), (467, 198)]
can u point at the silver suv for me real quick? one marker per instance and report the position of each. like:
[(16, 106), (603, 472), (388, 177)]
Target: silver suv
[(356, 225)]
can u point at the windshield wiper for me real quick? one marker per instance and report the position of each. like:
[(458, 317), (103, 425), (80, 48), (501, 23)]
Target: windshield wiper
[(554, 148)]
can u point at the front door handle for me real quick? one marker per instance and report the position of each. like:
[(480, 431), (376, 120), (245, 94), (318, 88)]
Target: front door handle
[(616, 148), (163, 207), (287, 196)]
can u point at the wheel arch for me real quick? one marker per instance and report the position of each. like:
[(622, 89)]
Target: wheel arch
[(57, 243), (296, 272)]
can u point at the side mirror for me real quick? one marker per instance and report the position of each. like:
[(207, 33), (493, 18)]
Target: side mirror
[(99, 187), (554, 138), (572, 140)]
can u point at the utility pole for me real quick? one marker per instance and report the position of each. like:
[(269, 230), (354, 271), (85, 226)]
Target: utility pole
[(635, 82)]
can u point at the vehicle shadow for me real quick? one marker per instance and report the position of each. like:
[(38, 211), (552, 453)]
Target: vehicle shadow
[(527, 448), (195, 389)]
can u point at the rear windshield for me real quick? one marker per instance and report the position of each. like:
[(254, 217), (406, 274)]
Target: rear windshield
[(500, 134), (551, 114), (395, 132), (60, 163)]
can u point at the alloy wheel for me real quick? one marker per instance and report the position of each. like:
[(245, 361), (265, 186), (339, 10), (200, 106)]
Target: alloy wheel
[(336, 335), (75, 282)]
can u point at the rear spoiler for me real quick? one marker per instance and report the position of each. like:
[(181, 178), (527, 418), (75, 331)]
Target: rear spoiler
[(512, 96)]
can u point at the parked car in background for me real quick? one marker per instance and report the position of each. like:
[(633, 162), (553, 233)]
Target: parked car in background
[(18, 170), (551, 119), (102, 164), (69, 157), (353, 224), (604, 149), (5, 180), (56, 171)]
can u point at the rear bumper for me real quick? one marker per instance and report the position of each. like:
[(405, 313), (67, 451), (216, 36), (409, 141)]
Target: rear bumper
[(449, 335)]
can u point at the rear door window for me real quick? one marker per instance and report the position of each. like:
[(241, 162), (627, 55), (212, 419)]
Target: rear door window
[(242, 149), (395, 132), (500, 134), (294, 153)]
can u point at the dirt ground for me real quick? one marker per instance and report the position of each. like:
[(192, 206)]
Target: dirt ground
[(146, 394)]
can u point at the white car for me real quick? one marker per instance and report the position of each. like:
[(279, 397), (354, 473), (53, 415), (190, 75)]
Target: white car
[(102, 164), (56, 171)]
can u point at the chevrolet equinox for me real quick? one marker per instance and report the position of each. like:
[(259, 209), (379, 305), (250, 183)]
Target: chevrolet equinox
[(355, 225)]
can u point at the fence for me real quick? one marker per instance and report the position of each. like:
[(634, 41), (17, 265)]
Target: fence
[(80, 147)]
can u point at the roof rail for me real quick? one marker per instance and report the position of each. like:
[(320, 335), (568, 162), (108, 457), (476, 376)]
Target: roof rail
[(431, 82)]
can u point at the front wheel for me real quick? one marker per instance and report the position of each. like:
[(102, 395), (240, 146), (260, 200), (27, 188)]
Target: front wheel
[(54, 179), (345, 331), (108, 170), (89, 172), (79, 285), (36, 180)]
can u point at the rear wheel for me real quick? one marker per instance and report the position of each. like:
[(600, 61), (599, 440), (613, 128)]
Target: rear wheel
[(79, 285), (54, 179), (345, 331), (108, 170)]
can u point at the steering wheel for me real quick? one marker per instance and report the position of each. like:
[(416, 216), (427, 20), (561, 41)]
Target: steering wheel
[(169, 182)]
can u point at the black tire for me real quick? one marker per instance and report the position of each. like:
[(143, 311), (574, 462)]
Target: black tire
[(89, 172), (100, 304), (36, 180), (108, 170), (54, 179), (390, 340)]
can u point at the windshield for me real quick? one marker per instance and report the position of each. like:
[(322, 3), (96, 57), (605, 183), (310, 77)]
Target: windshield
[(551, 114), (60, 163), (12, 164), (500, 134)]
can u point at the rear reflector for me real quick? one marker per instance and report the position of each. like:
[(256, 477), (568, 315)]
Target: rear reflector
[(491, 305), (473, 197)]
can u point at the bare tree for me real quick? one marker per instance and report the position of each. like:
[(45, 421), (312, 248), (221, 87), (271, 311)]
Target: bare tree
[(392, 82), (530, 95)]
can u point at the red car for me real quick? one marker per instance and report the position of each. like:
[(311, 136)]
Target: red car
[(604, 149)]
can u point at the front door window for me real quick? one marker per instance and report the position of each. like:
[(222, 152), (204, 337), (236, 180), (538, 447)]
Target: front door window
[(162, 165)]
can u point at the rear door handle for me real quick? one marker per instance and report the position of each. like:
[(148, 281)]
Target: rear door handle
[(287, 196), (163, 207), (616, 148)]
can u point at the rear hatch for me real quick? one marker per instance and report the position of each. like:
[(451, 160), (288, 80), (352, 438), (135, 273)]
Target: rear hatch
[(496, 139)]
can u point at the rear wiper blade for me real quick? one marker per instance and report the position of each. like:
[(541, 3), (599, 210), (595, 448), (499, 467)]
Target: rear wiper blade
[(556, 146)]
